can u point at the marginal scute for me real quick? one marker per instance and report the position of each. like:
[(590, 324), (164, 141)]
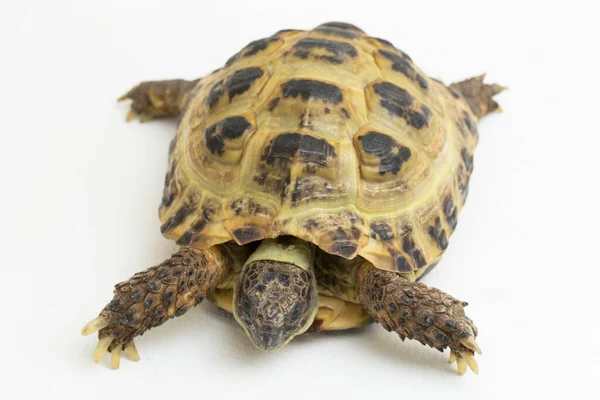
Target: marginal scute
[(247, 234)]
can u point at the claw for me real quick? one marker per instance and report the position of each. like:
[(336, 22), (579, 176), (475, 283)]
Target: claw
[(470, 343), (452, 358), (132, 352), (471, 362), (101, 348), (131, 116), (462, 365), (115, 357), (145, 118), (94, 325)]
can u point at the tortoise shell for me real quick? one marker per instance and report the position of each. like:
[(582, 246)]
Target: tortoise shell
[(328, 135)]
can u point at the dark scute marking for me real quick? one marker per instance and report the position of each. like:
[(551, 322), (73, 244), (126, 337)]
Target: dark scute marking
[(273, 103), (236, 83), (341, 25), (251, 49), (316, 89), (343, 244), (185, 239), (469, 123), (331, 30), (188, 237), (454, 92), (403, 65), (391, 154), (384, 42), (215, 93), (241, 80), (450, 212), (181, 214), (422, 81), (398, 101), (418, 120), (438, 234), (393, 97), (344, 249), (402, 264), (170, 191), (248, 234), (228, 128), (233, 59), (409, 247), (258, 45), (311, 224), (339, 51), (404, 54), (310, 150), (467, 159), (303, 189), (428, 270), (382, 229)]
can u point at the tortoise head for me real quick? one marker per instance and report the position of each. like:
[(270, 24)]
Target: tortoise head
[(276, 298)]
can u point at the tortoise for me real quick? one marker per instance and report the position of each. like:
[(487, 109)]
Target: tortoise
[(312, 181)]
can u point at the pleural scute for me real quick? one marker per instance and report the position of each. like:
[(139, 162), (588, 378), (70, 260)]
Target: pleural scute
[(328, 135)]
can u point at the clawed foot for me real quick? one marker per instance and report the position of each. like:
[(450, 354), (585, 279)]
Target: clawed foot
[(146, 103), (152, 297), (157, 99), (107, 340), (418, 312)]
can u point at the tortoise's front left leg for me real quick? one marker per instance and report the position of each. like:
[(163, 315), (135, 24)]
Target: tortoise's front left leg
[(157, 99), (416, 311), (152, 297)]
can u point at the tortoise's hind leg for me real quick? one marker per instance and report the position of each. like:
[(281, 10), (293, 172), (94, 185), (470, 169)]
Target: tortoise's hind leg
[(157, 99), (479, 95), (416, 311), (152, 297)]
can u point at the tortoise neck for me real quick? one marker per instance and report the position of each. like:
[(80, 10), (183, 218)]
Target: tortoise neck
[(287, 249)]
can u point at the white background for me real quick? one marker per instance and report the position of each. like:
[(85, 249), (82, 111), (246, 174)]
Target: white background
[(80, 190)]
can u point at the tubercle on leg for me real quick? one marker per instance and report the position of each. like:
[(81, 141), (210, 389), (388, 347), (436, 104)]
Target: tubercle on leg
[(418, 312), (159, 293)]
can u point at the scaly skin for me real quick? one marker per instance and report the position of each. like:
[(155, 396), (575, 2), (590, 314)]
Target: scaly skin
[(152, 297), (157, 99), (418, 312)]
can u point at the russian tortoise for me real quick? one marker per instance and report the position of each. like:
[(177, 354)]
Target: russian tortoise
[(312, 181)]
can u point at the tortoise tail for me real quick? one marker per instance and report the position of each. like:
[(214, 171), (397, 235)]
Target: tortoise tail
[(479, 95)]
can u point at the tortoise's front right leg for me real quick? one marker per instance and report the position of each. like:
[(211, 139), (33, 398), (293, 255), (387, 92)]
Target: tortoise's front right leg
[(152, 297), (157, 99)]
